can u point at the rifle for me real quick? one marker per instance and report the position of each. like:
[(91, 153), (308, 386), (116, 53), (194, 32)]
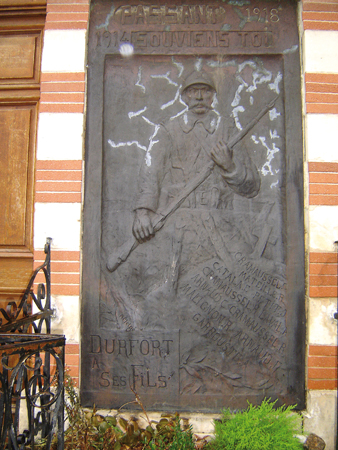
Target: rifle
[(116, 259)]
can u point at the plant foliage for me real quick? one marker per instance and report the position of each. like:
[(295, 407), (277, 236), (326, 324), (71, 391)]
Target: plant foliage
[(261, 427), (89, 430)]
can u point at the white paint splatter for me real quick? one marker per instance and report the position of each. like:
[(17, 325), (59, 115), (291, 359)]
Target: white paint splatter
[(128, 143), (138, 81), (274, 134), (179, 66), (165, 77), (270, 153), (272, 185), (254, 139), (259, 76), (185, 118), (275, 85), (198, 64), (137, 113), (251, 100), (273, 114), (235, 112)]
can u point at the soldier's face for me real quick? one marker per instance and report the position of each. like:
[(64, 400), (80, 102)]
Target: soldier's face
[(199, 98)]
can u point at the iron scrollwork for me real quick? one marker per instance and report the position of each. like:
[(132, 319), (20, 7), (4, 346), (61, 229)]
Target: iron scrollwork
[(19, 318), (31, 370)]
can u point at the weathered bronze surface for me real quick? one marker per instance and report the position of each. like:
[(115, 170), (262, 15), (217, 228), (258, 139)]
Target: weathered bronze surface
[(193, 264)]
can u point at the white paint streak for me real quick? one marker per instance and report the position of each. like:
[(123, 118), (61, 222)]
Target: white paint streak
[(272, 185), (251, 100), (171, 102), (231, 63), (106, 23), (151, 144), (148, 121), (180, 113), (148, 159), (126, 144), (270, 153), (240, 88), (214, 101), (157, 127), (235, 112), (254, 139), (165, 77), (218, 120), (275, 85), (293, 49), (138, 81), (137, 113), (179, 66), (198, 64)]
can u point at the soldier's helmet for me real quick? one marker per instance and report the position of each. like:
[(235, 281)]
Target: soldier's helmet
[(198, 78)]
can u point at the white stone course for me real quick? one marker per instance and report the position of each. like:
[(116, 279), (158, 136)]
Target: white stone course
[(320, 417), (64, 51), (60, 136), (321, 324), (60, 221), (66, 317), (323, 228), (320, 51), (322, 137)]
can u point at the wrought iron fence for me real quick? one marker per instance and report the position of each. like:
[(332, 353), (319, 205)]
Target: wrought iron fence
[(31, 370)]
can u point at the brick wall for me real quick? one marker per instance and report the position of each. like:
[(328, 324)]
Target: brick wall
[(59, 162), (59, 173), (320, 21)]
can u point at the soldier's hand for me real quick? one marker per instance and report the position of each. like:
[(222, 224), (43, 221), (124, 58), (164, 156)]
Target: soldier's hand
[(142, 226), (222, 156)]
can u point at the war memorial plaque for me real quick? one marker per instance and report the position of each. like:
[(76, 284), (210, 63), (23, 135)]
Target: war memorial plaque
[(193, 248)]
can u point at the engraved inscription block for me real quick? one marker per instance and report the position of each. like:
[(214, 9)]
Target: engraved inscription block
[(193, 286), (146, 363)]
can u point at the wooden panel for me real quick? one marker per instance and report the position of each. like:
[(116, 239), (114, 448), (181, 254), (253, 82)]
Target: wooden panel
[(21, 25), (15, 132), (14, 275), (17, 56)]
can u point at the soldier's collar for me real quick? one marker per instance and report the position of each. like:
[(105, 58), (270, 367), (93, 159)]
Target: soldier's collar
[(210, 121)]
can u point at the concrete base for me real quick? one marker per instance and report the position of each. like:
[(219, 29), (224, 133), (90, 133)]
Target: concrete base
[(321, 416)]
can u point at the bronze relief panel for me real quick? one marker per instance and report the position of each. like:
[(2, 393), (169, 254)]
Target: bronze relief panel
[(193, 266)]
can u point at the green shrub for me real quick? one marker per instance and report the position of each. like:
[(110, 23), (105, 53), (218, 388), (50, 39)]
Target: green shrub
[(257, 428)]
